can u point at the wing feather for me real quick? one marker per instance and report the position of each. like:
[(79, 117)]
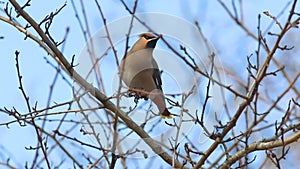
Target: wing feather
[(156, 75)]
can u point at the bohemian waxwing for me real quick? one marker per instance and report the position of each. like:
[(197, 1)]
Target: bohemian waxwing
[(141, 74)]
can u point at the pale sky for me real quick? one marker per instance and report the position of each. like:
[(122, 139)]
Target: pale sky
[(230, 42)]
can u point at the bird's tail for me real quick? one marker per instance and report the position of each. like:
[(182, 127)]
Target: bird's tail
[(166, 114), (157, 97)]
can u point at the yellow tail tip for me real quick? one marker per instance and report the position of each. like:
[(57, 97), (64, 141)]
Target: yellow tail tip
[(166, 116)]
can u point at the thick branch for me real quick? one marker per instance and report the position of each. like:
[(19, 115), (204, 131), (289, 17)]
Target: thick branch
[(261, 74), (94, 91), (259, 146)]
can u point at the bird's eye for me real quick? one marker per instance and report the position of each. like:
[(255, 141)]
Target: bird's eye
[(147, 37)]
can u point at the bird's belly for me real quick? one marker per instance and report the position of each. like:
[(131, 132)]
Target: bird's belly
[(132, 68)]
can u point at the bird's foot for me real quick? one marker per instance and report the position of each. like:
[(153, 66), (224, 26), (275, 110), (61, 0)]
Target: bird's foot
[(136, 99), (131, 93), (137, 95), (134, 94)]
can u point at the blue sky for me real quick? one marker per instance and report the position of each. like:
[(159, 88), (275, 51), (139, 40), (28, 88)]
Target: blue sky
[(230, 42)]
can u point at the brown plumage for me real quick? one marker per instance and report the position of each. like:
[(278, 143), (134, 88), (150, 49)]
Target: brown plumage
[(141, 74)]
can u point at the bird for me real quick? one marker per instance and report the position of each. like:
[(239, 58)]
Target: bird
[(140, 72)]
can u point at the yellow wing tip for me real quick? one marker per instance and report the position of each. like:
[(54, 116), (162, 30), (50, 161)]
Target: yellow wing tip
[(166, 116)]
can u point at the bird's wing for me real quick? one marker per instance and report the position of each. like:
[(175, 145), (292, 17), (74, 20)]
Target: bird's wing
[(156, 75)]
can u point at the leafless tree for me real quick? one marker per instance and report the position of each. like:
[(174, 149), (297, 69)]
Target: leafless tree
[(256, 126)]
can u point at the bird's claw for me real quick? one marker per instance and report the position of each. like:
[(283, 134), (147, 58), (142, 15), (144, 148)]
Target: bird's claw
[(136, 95)]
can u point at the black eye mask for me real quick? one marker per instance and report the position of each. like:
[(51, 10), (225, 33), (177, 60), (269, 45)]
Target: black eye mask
[(148, 37)]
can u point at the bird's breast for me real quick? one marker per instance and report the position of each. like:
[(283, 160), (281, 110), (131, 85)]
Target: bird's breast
[(134, 64)]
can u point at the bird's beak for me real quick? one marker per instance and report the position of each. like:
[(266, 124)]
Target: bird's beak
[(152, 42)]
